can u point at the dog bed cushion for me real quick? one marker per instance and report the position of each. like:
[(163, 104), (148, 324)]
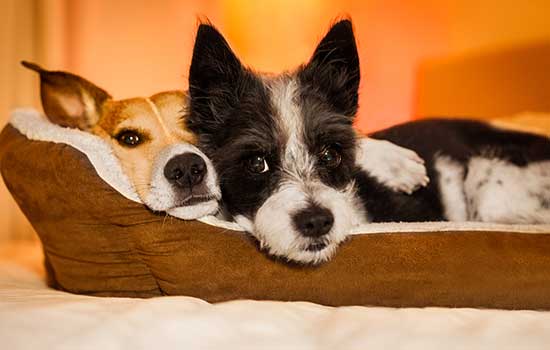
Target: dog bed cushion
[(99, 240)]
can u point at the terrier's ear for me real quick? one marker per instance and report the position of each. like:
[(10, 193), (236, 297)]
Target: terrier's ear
[(334, 68), (69, 100), (213, 61), (214, 76)]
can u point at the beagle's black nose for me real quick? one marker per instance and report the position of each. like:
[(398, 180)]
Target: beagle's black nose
[(313, 221), (185, 170)]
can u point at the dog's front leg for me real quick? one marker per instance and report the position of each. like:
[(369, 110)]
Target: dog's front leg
[(396, 167)]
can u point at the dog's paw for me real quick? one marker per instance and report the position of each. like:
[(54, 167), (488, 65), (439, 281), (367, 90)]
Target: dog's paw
[(396, 167)]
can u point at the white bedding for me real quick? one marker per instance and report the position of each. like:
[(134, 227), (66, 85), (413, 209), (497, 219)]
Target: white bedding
[(35, 317)]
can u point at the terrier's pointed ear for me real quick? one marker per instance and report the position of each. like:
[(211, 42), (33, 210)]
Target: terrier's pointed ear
[(213, 60), (214, 73), (69, 100), (334, 68)]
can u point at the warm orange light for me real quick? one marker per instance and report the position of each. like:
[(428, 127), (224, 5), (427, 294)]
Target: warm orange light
[(275, 35), (134, 48)]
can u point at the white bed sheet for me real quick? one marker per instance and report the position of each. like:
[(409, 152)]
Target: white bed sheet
[(35, 317)]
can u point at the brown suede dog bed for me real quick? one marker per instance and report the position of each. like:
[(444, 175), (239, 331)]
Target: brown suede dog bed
[(98, 242)]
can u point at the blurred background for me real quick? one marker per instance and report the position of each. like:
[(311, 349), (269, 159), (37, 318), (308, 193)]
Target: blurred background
[(484, 58)]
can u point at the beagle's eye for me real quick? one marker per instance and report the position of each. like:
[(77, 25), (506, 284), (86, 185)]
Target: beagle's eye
[(257, 164), (129, 138), (330, 157)]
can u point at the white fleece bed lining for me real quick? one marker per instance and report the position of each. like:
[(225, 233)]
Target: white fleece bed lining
[(35, 126)]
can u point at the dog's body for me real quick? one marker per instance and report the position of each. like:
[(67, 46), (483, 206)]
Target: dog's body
[(478, 172), (286, 153), (148, 137)]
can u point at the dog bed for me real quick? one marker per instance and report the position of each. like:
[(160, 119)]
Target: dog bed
[(99, 240)]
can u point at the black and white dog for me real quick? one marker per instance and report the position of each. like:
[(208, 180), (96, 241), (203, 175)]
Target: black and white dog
[(286, 153)]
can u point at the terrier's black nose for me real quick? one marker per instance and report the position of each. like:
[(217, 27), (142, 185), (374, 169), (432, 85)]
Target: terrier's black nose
[(185, 170), (313, 221)]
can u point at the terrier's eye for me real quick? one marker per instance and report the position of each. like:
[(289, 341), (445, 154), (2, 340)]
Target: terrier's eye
[(330, 157), (129, 138), (257, 164)]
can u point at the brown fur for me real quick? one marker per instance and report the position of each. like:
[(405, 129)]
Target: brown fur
[(72, 101)]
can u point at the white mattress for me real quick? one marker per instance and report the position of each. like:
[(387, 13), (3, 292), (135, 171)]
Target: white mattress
[(35, 317)]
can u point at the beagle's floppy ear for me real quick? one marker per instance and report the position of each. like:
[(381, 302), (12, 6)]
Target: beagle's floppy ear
[(69, 100)]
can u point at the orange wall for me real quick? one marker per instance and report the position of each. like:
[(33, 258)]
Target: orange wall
[(139, 47), (133, 47)]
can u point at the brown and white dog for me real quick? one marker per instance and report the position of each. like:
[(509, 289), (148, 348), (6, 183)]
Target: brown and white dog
[(147, 135)]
